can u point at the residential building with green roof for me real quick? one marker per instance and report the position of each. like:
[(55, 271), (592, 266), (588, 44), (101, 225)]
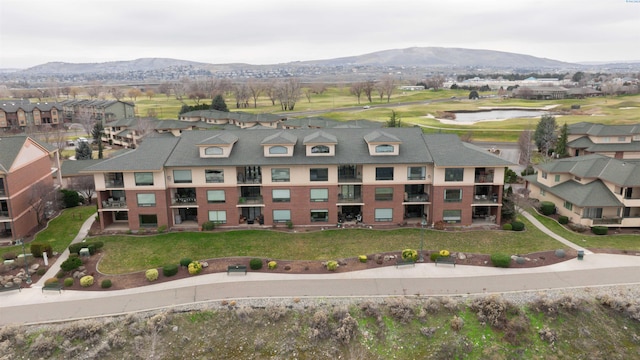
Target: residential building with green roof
[(616, 141)]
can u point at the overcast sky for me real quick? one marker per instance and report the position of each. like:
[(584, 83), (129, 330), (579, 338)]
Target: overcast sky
[(34, 32)]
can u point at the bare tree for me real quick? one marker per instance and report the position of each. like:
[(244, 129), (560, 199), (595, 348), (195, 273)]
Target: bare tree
[(318, 88), (386, 87), (165, 88), (241, 94), (41, 200), (307, 93), (288, 93), (270, 90), (86, 119), (356, 89), (83, 185), (117, 93), (149, 93), (368, 87), (94, 90), (144, 126), (435, 82), (134, 93), (255, 89)]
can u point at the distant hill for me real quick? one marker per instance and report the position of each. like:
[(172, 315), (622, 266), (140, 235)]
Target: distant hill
[(449, 57), (144, 64)]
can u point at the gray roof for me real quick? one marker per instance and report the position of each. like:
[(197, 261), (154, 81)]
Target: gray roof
[(593, 129), (595, 166), (381, 136), (593, 194), (150, 155), (73, 167), (281, 137), (221, 138), (448, 150), (10, 147), (320, 137), (11, 106), (586, 143)]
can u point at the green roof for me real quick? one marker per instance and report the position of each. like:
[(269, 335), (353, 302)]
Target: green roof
[(596, 166), (593, 194)]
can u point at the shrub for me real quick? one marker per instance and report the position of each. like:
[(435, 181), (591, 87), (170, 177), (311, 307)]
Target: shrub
[(457, 323), (563, 219), (162, 228), (60, 274), (255, 264), (68, 282), (71, 263), (434, 255), (598, 230), (272, 265), (51, 281), (507, 227), (75, 248), (560, 253), (578, 227), (8, 256), (195, 268), (444, 253), (105, 284), (500, 260), (208, 226), (409, 254), (86, 281), (70, 198), (37, 249), (547, 208), (517, 225), (41, 271), (289, 224), (362, 258), (332, 265), (151, 274), (184, 262), (440, 225), (169, 270)]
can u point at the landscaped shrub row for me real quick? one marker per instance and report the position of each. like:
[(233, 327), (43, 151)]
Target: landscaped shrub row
[(501, 260), (170, 270), (72, 263), (92, 246), (184, 262), (600, 230), (37, 249)]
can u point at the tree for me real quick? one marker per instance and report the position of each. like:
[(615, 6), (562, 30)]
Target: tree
[(368, 87), (356, 89), (288, 93), (218, 104), (524, 143), (545, 135), (96, 134), (561, 144), (83, 185), (70, 198), (117, 93), (42, 200), (149, 93), (255, 89), (473, 95), (134, 93), (242, 95), (394, 120), (165, 88), (386, 87), (83, 151), (86, 119)]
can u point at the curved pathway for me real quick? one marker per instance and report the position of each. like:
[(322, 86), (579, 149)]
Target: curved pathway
[(33, 306)]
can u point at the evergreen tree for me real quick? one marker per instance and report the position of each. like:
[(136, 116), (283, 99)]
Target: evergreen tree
[(96, 133), (545, 135), (394, 120), (83, 151), (185, 108), (219, 104), (561, 145)]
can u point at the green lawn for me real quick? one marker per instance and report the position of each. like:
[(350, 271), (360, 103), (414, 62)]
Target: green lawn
[(127, 253), (61, 230)]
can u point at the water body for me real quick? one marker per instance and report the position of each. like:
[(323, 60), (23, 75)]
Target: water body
[(471, 117)]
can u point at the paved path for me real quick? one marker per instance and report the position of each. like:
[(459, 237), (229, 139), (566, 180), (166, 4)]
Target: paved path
[(546, 230), (33, 306)]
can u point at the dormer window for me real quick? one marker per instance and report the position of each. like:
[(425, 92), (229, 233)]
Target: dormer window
[(277, 150), (213, 150), (385, 148), (320, 149)]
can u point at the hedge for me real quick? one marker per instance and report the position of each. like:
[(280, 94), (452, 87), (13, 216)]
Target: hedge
[(600, 230), (517, 225), (501, 260), (563, 219), (547, 208)]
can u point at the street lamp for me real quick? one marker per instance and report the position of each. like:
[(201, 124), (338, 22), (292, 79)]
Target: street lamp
[(422, 224), (26, 265)]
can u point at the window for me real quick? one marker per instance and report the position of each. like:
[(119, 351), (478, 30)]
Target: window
[(384, 194), (182, 176), (384, 173), (280, 175), (383, 215), (416, 173), (452, 216), (113, 180), (213, 150), (568, 205), (215, 196), (214, 176), (386, 148), (278, 150), (280, 216), (542, 192), (577, 178), (453, 174), (544, 175), (319, 215), (557, 178), (592, 213), (218, 216), (281, 195), (319, 174), (622, 139), (150, 220), (121, 216), (453, 195), (320, 149), (144, 178), (319, 195), (145, 200)]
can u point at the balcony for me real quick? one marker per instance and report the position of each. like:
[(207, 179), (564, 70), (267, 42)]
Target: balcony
[(114, 204), (408, 198), (487, 178), (607, 221), (485, 199), (349, 199), (250, 200)]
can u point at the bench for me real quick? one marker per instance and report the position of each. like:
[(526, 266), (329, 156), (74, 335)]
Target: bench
[(400, 262), (446, 260), (9, 288), (237, 268), (53, 286)]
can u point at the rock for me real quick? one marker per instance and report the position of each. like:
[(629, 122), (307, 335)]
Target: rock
[(204, 264), (81, 268), (17, 281), (34, 267), (462, 256)]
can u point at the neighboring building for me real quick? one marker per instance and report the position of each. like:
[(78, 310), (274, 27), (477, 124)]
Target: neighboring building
[(128, 132), (616, 141), (312, 177), (20, 114), (591, 189), (97, 110), (540, 92), (70, 171), (26, 169), (240, 119)]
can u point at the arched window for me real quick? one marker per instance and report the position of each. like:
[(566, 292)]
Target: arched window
[(384, 148), (320, 149), (277, 150), (213, 150)]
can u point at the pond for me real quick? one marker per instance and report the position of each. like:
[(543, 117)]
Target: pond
[(482, 115)]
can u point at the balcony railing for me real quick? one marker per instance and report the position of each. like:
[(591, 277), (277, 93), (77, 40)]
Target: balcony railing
[(114, 184), (250, 180), (485, 199), (349, 199), (250, 200), (349, 179), (607, 221), (416, 198), (4, 214), (484, 178), (114, 204)]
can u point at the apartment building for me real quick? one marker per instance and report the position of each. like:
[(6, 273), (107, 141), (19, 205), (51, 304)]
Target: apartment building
[(97, 110), (19, 114), (616, 141), (591, 190), (311, 177), (26, 168)]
